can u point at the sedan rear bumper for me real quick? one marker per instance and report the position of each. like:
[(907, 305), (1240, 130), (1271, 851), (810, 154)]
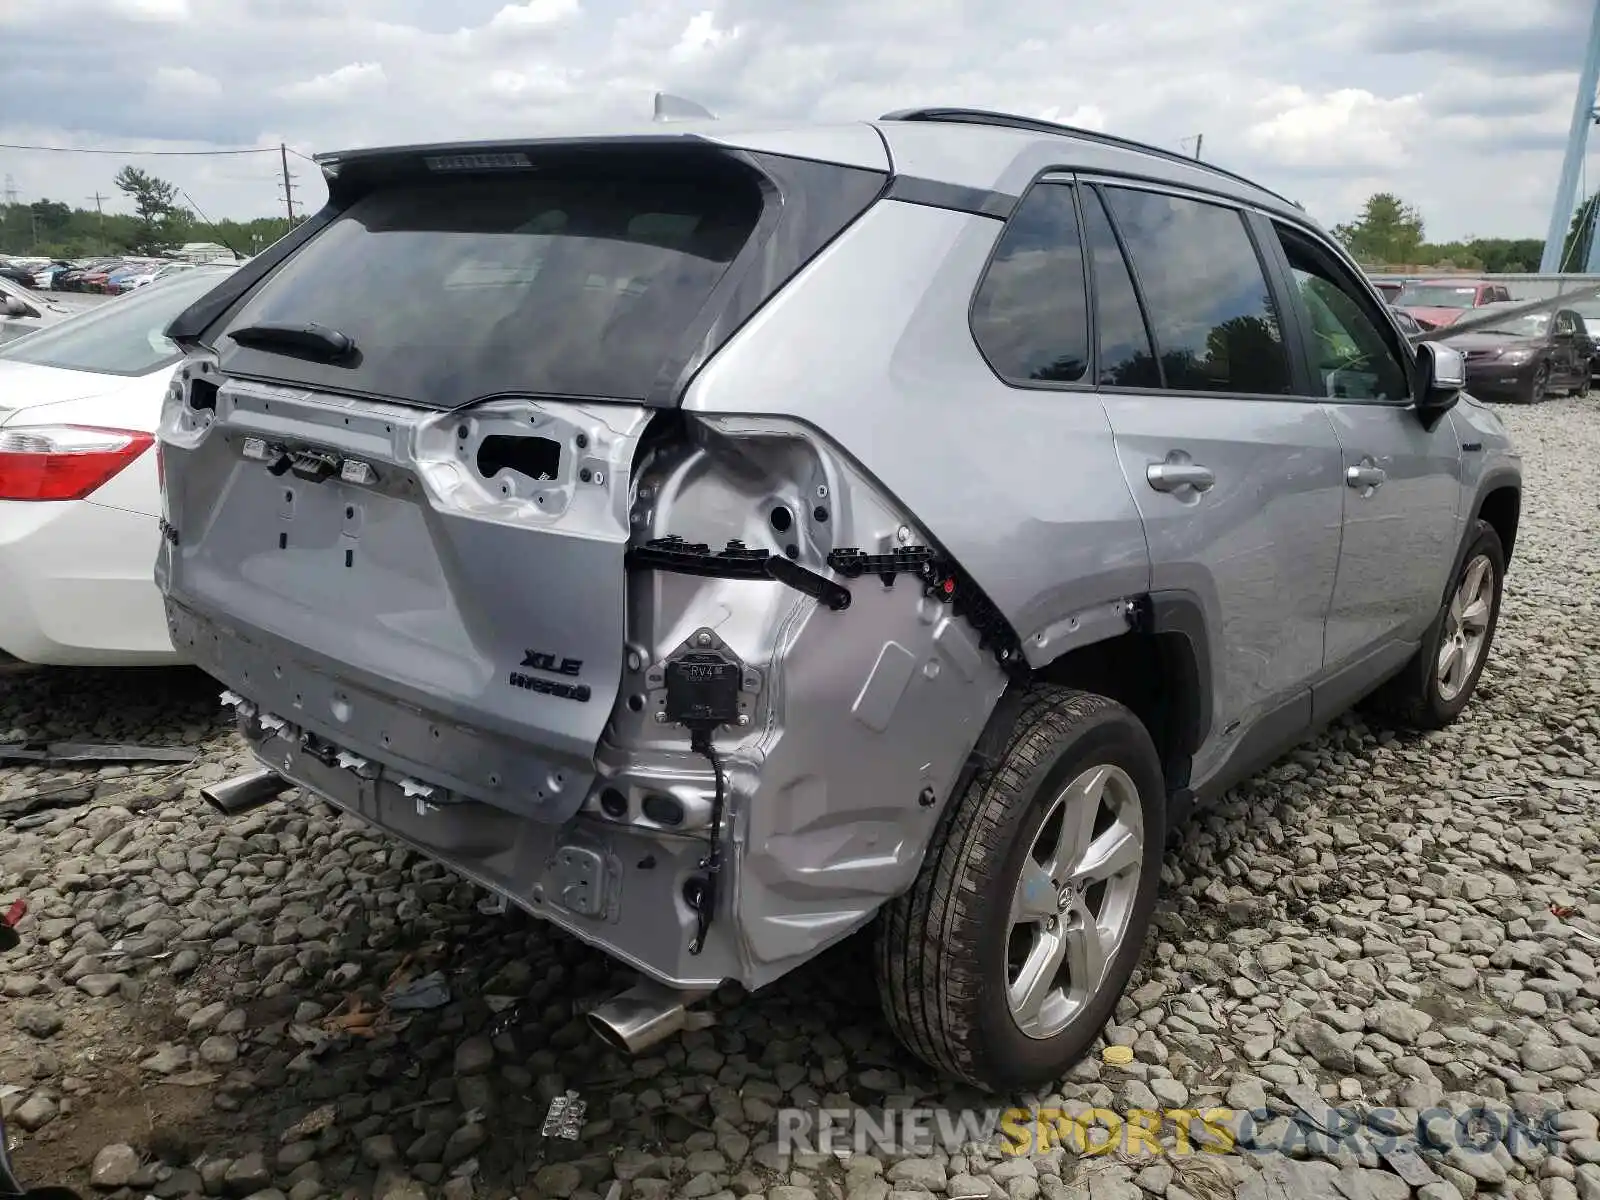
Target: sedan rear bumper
[(79, 586)]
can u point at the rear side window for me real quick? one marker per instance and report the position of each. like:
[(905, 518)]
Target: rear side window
[(1215, 326), (576, 282), (1030, 316)]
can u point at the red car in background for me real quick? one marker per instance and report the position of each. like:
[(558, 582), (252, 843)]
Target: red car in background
[(1435, 303)]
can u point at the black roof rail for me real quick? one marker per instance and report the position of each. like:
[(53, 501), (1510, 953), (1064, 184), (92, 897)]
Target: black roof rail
[(979, 116)]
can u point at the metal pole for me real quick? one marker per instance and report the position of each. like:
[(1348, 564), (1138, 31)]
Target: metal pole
[(288, 196), (1577, 143), (1199, 140)]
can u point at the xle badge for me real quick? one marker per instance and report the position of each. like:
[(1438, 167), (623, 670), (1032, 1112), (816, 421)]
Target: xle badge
[(538, 660)]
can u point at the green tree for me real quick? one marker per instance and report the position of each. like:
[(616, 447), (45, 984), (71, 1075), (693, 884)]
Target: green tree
[(1575, 250), (1387, 231), (50, 216), (162, 224)]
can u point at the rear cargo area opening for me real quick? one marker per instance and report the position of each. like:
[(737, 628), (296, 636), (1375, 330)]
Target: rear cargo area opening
[(579, 277)]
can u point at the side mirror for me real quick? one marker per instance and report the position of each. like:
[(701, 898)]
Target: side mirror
[(14, 307), (1443, 377)]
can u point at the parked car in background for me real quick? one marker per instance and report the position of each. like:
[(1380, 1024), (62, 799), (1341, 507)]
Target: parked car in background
[(701, 625), (80, 503), (21, 270), (126, 270), (71, 280), (1408, 324), (23, 310), (1436, 303), (1529, 356), (148, 274), (45, 275)]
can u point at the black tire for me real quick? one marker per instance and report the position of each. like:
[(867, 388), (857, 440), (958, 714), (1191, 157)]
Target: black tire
[(1414, 696), (942, 947), (1538, 386), (1581, 391)]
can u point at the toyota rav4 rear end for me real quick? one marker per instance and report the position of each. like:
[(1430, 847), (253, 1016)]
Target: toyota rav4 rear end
[(435, 518)]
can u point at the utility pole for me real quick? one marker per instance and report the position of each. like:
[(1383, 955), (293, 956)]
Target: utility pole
[(11, 200), (97, 198), (288, 187), (1577, 142)]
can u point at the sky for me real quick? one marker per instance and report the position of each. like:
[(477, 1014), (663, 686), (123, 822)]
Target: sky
[(1461, 107)]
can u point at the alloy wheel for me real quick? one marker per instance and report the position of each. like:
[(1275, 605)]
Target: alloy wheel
[(1466, 628), (1074, 900)]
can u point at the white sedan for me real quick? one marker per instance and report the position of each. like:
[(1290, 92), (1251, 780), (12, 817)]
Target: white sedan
[(80, 501)]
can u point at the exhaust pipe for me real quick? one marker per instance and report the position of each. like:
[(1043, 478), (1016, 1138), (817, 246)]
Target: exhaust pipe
[(244, 792), (644, 1015)]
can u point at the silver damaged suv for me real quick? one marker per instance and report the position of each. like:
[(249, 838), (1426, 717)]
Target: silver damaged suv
[(720, 541)]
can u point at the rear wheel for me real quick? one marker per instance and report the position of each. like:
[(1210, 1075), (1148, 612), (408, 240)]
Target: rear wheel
[(1007, 957), (1438, 683)]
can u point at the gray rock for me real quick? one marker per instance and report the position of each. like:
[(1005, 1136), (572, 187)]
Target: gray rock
[(464, 1143), (1530, 1004), (114, 1167), (37, 1111), (1327, 1045), (474, 1056), (168, 1059), (100, 985), (1397, 1021), (918, 1172), (379, 1150), (1485, 1168), (219, 1050), (559, 1180), (247, 1175), (38, 1020)]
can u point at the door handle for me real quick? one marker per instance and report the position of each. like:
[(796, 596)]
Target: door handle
[(1365, 477), (1170, 476)]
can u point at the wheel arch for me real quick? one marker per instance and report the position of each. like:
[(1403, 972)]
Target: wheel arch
[(1159, 668), (1501, 506)]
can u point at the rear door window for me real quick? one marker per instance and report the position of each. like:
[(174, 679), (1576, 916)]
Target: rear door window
[(576, 282), (1210, 307), (1126, 358), (1030, 316)]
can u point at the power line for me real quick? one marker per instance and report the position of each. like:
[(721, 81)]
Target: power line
[(138, 153)]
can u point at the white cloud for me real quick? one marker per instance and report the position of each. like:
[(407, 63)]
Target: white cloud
[(528, 86), (1325, 100), (338, 85), (152, 10), (1085, 116), (533, 15), (185, 83), (1348, 128), (701, 34)]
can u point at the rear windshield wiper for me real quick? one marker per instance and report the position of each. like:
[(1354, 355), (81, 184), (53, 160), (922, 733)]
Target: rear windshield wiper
[(316, 340)]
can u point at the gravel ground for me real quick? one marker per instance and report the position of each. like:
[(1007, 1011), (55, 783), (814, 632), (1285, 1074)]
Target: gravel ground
[(199, 1005)]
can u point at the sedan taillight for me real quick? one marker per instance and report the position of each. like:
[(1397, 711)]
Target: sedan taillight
[(64, 462)]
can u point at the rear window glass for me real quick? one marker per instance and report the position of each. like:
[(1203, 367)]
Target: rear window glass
[(125, 336), (1432, 295), (582, 283)]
